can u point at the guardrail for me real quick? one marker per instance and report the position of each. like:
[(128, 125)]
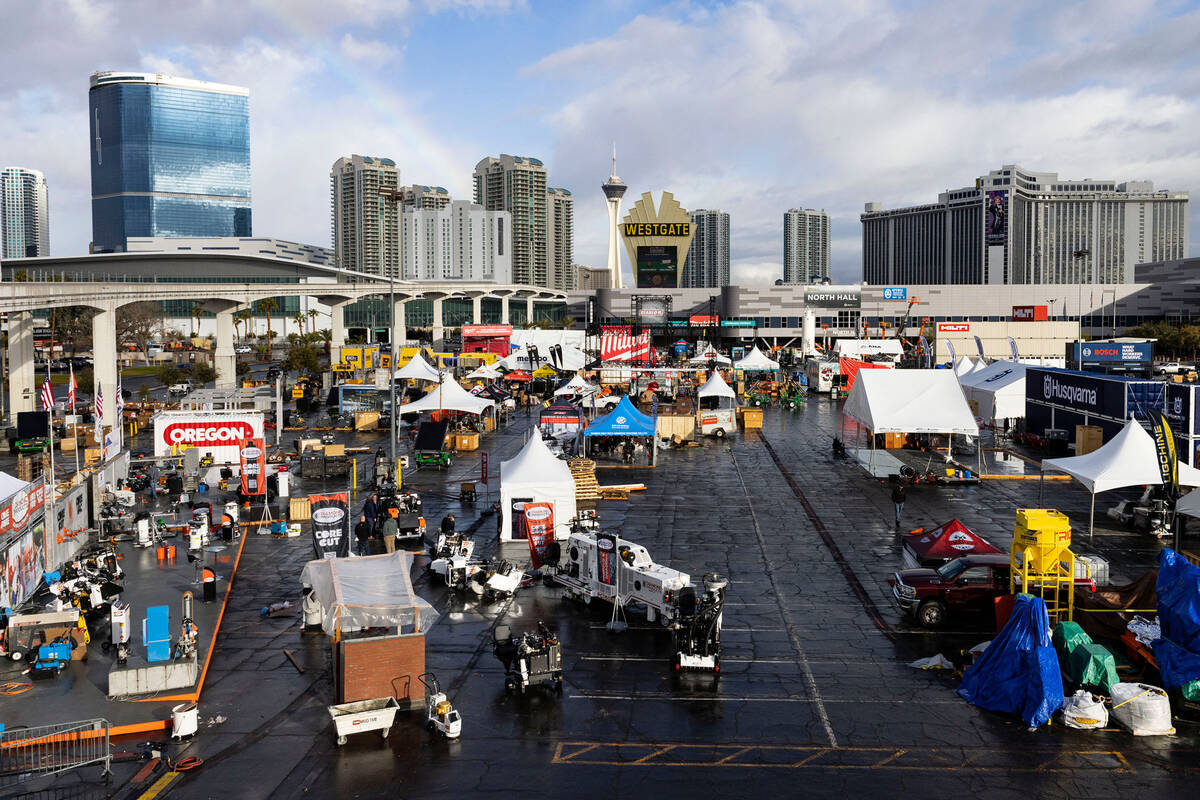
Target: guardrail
[(46, 749)]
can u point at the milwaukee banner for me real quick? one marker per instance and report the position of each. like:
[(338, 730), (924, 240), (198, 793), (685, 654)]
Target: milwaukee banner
[(253, 459), (331, 524), (618, 344), (539, 527), (606, 558), (1168, 461)]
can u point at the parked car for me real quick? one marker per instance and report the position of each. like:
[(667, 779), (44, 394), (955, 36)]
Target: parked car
[(1172, 368), (243, 349), (965, 585), (180, 389)]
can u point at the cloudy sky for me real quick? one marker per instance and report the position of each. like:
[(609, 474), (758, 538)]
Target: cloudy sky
[(750, 107)]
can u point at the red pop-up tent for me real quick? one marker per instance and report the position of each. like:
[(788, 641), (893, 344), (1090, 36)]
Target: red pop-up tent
[(850, 367), (944, 543)]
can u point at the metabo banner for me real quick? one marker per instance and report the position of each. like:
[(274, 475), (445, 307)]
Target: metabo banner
[(539, 527), (253, 458), (1168, 461), (606, 558), (331, 524)]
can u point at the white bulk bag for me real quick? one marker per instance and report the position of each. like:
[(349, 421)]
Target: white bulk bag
[(1145, 710), (1085, 711)]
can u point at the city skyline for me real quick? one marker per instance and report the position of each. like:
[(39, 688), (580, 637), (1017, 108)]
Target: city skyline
[(562, 84)]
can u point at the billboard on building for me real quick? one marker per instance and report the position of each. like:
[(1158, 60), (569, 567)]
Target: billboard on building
[(657, 267), (657, 241), (996, 219), (832, 297), (652, 310), (1030, 313)]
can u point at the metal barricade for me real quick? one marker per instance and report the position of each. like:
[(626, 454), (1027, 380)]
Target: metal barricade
[(32, 752)]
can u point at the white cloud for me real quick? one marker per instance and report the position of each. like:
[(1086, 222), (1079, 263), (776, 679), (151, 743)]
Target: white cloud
[(367, 51)]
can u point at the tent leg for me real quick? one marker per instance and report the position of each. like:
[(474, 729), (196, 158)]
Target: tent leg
[(1042, 490), (1092, 519)]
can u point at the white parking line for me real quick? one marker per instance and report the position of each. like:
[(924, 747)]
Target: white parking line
[(818, 702)]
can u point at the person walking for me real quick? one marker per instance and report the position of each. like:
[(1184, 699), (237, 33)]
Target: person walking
[(389, 530), (448, 524), (153, 474), (370, 510), (362, 537), (898, 498)]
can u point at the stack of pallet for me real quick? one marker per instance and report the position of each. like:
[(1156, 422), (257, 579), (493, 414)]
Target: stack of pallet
[(583, 470)]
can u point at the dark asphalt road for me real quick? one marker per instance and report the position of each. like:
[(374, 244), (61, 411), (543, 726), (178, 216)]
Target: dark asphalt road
[(815, 695)]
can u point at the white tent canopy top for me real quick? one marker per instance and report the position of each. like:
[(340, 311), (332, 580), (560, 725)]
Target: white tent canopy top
[(710, 354), (716, 386), (756, 360), (419, 369), (368, 592), (1128, 459), (536, 473), (998, 390), (577, 385), (448, 396), (963, 366), (483, 372), (910, 401), (572, 359)]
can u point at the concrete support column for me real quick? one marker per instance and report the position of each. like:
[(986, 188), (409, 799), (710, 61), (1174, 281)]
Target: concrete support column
[(504, 311), (528, 311), (224, 359), (477, 310), (399, 325), (104, 370), (337, 330), (21, 371), (438, 330)]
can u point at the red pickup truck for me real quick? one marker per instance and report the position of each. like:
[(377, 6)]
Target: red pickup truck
[(969, 584)]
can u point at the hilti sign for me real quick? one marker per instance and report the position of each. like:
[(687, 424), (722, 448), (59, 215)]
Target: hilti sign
[(201, 434), (1030, 313), (221, 433), (953, 327)]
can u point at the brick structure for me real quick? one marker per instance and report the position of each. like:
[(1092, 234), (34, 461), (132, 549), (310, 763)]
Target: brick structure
[(381, 666)]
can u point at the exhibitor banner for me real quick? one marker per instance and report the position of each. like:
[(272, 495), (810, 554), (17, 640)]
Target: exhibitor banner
[(331, 524), (539, 526), (606, 558), (253, 457)]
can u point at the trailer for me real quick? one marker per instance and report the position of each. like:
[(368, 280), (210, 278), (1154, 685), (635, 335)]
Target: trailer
[(364, 716), (601, 565)]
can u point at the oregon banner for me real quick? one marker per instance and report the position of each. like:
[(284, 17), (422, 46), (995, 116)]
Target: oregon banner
[(539, 527), (253, 467), (1168, 461), (606, 558), (331, 524)]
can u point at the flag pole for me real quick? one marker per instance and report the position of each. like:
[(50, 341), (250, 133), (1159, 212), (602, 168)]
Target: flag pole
[(51, 522), (75, 431)]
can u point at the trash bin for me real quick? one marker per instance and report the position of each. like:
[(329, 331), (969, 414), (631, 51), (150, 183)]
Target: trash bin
[(210, 586), (185, 720)]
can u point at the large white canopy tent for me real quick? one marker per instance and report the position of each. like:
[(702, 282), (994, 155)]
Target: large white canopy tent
[(418, 369), (1189, 505), (572, 359), (998, 390), (1128, 459), (534, 475), (756, 361), (577, 385), (709, 354), (448, 396), (963, 366), (909, 401)]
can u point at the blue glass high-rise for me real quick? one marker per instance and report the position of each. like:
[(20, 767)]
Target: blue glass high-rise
[(170, 157)]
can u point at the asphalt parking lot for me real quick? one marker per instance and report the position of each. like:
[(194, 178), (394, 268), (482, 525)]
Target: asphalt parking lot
[(814, 695)]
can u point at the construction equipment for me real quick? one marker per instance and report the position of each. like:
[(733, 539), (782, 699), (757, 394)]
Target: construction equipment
[(440, 716), (51, 658), (364, 716), (529, 659), (430, 445), (602, 565)]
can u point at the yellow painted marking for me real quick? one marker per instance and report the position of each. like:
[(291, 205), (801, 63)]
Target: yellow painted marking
[(890, 758), (159, 786), (732, 756), (654, 754)]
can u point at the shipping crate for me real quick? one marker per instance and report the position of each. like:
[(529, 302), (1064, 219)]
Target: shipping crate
[(894, 441), (752, 418), (1088, 438), (335, 450), (92, 455), (66, 445), (299, 509), (366, 420), (489, 424), (464, 442)]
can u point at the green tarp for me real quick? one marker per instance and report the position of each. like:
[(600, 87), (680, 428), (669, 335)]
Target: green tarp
[(1066, 637), (1091, 666)]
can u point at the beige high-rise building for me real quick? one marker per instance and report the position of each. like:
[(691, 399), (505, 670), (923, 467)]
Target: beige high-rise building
[(417, 196), (517, 184), (560, 239), (365, 218), (592, 278)]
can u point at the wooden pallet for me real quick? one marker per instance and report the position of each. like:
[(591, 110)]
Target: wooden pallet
[(583, 470)]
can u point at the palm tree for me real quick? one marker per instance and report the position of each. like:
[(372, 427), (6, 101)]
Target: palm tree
[(239, 319), (299, 320), (267, 305), (197, 312), (312, 319), (327, 337)]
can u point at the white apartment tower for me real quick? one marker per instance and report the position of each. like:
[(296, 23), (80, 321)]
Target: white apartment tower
[(517, 184), (24, 213), (805, 245), (459, 242), (1019, 226), (707, 264), (365, 214), (560, 239)]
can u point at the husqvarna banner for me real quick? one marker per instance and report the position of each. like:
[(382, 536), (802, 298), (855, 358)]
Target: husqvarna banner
[(253, 460), (331, 524), (606, 558), (539, 527)]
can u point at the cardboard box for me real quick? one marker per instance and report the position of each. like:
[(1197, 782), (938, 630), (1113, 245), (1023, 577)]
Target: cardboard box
[(752, 418), (1088, 438), (299, 509), (335, 450)]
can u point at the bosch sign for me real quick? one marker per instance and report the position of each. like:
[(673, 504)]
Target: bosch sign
[(202, 434), (1111, 352)]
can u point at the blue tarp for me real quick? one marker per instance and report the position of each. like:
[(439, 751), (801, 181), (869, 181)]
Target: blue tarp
[(624, 420), (1018, 672), (1178, 589)]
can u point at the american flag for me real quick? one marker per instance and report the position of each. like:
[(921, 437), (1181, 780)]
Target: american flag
[(98, 433), (71, 389), (47, 395), (120, 398)]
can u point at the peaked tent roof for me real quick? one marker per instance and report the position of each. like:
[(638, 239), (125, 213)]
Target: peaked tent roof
[(910, 401), (950, 540), (624, 420), (756, 360), (1128, 459), (561, 411), (484, 372), (576, 385), (998, 390), (710, 354), (535, 464), (716, 386), (572, 358), (448, 396), (963, 366), (419, 369)]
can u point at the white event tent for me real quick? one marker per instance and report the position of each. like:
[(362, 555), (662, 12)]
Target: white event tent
[(418, 369), (756, 361), (483, 372), (534, 475), (710, 354), (572, 359), (448, 396), (997, 390), (1128, 459), (577, 385), (963, 366), (716, 386)]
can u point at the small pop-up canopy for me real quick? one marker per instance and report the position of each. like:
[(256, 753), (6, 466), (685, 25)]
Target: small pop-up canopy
[(910, 401), (756, 361), (534, 475), (577, 385), (945, 543), (418, 369), (483, 372), (368, 592), (716, 386), (710, 354), (998, 390), (1128, 459), (624, 420), (448, 396)]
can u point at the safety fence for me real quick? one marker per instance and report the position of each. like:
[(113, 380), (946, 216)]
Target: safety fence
[(46, 749)]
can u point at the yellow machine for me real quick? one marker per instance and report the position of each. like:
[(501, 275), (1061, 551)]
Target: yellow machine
[(1041, 561)]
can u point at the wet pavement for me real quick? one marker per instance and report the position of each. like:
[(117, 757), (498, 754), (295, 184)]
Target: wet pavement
[(814, 694)]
